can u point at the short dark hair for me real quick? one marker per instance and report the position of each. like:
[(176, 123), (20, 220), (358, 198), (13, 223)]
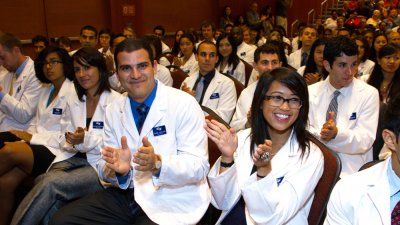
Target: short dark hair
[(267, 48), (391, 116), (105, 31), (130, 45), (89, 27), (209, 43), (68, 66), (64, 40), (207, 23), (88, 56), (40, 38), (337, 46), (159, 27), (259, 126), (154, 41), (9, 41)]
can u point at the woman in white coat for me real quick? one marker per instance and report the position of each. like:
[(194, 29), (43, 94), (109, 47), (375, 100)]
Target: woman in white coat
[(80, 141), (267, 174), (19, 159), (228, 61), (187, 59)]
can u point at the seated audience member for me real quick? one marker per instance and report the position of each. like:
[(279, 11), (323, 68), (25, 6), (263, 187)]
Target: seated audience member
[(371, 196), (187, 59), (19, 88), (378, 42), (105, 42), (78, 143), (331, 22), (369, 36), (157, 156), (87, 37), (19, 159), (386, 75), (244, 51), (160, 32), (207, 32), (129, 32), (228, 28), (208, 86), (267, 174), (39, 43), (113, 79), (314, 70), (228, 61), (307, 38), (374, 20), (394, 38), (64, 42), (226, 18), (175, 48), (296, 43), (266, 58), (365, 66), (343, 110), (162, 73), (343, 32)]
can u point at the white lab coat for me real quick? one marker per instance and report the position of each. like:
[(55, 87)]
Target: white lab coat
[(17, 111), (243, 107), (47, 121), (284, 196), (180, 195), (246, 52), (191, 66), (295, 59), (165, 47), (74, 117), (365, 68), (239, 72), (361, 198), (164, 75), (254, 76), (357, 121), (220, 95)]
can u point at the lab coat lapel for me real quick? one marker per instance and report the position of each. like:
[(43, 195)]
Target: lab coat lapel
[(211, 88), (156, 113), (127, 119)]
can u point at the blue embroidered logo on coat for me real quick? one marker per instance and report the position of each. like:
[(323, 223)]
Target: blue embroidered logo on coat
[(353, 116), (57, 111), (214, 96), (279, 180), (98, 124), (161, 130)]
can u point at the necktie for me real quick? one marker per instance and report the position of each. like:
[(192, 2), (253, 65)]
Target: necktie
[(199, 89), (142, 110), (396, 214), (14, 78), (304, 57), (333, 105)]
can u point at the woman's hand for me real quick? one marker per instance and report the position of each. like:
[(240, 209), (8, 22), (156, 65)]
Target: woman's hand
[(177, 61), (224, 138), (23, 135), (77, 137), (262, 157), (312, 78)]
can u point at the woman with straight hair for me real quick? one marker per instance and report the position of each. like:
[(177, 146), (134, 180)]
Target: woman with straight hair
[(25, 153), (386, 74), (267, 173), (365, 66), (187, 59), (314, 70), (228, 61), (79, 142)]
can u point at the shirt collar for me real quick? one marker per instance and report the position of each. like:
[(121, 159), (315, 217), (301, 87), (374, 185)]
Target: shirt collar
[(394, 180), (345, 91), (208, 77), (149, 100), (21, 67)]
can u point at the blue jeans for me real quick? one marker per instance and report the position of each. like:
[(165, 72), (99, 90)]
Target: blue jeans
[(65, 181)]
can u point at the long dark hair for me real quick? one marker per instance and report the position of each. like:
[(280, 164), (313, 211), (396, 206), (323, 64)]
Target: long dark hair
[(91, 57), (311, 66), (367, 49), (233, 59), (175, 48), (376, 77), (374, 55), (259, 126)]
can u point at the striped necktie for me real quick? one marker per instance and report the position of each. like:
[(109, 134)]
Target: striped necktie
[(333, 106)]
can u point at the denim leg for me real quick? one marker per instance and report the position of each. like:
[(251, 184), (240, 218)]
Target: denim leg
[(65, 181)]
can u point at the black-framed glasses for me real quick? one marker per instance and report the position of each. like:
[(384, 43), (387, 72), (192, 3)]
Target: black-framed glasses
[(52, 63), (277, 101)]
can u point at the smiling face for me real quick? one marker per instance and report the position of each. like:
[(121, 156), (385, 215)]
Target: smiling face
[(87, 76), (136, 73), (280, 118), (225, 48)]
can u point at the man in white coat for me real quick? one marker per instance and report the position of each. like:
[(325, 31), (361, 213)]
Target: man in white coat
[(208, 86), (19, 88), (344, 110), (372, 196), (244, 50), (266, 58), (156, 155), (299, 58)]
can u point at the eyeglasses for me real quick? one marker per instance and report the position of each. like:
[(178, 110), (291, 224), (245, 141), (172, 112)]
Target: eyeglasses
[(277, 101), (52, 63)]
